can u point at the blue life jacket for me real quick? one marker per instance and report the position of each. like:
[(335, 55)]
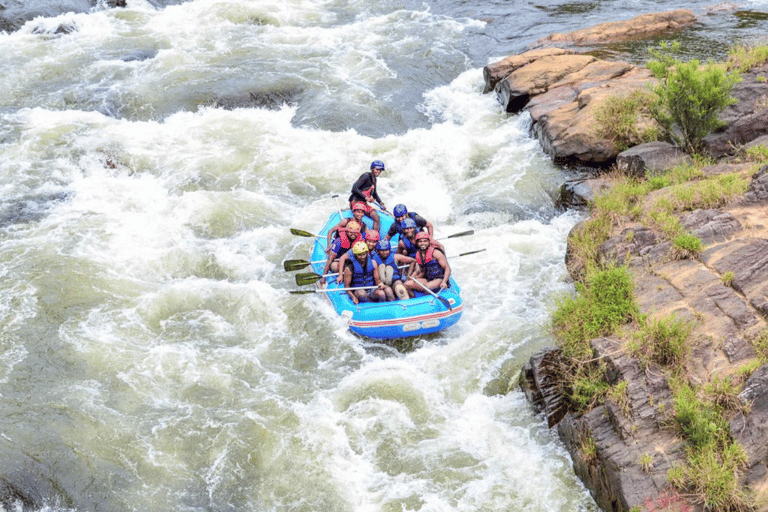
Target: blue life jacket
[(432, 269), (397, 226), (390, 262), (363, 276), (410, 247)]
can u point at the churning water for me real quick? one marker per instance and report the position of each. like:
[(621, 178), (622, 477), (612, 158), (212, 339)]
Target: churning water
[(151, 357)]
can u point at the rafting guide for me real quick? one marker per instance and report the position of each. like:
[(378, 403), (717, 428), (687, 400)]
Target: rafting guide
[(364, 190)]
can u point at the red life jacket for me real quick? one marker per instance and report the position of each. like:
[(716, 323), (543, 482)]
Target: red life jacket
[(432, 268), (346, 243)]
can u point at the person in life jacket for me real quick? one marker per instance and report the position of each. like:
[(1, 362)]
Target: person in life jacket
[(347, 238), (364, 190), (361, 271), (400, 212), (431, 267), (389, 270), (407, 243), (371, 238), (358, 212)]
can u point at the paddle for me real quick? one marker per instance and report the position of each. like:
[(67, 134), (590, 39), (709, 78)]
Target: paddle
[(311, 277), (299, 292), (457, 235), (335, 196), (291, 265), (300, 232), (441, 299), (467, 253)]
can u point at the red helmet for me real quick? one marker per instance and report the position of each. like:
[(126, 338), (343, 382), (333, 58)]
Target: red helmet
[(422, 234), (359, 206), (372, 234)]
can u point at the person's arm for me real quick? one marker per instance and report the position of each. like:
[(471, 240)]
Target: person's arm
[(376, 277), (392, 231), (402, 259), (443, 261), (348, 283), (331, 257), (337, 227), (421, 222), (342, 263)]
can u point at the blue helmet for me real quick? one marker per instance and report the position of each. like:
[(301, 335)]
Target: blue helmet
[(377, 164), (408, 223), (383, 245), (400, 210)]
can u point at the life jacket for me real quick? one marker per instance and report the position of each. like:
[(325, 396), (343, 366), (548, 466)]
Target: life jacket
[(362, 276), (432, 269), (410, 247), (398, 225), (346, 243), (390, 262)]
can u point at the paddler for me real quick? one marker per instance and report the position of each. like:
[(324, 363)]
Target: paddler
[(348, 236), (360, 271), (431, 267), (364, 190), (389, 271), (358, 212)]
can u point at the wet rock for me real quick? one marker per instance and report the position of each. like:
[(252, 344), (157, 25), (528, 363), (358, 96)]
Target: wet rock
[(651, 158), (641, 27), (271, 99), (18, 12), (494, 73), (536, 77), (579, 193), (620, 433)]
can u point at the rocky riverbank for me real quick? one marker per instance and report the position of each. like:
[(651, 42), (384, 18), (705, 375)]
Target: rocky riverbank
[(723, 292)]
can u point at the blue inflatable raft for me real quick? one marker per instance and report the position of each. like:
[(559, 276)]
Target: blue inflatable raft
[(423, 314)]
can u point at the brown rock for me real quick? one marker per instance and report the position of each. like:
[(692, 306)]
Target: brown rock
[(651, 158), (537, 77), (640, 27), (493, 73)]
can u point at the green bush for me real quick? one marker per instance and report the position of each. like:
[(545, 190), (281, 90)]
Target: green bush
[(617, 120), (605, 301), (687, 246), (688, 99), (664, 341)]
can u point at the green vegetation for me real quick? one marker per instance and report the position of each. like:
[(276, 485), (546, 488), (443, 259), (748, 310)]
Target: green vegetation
[(757, 153), (664, 341), (646, 462), (604, 302), (688, 98), (744, 58), (686, 246), (685, 105), (618, 394), (618, 120), (714, 459)]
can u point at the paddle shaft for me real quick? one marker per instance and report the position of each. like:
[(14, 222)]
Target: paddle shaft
[(332, 290), (441, 299)]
